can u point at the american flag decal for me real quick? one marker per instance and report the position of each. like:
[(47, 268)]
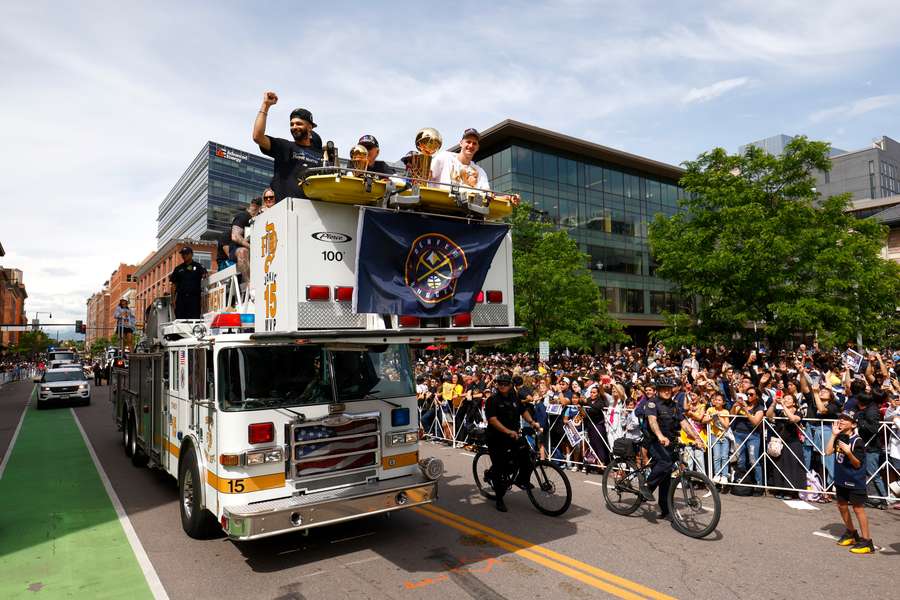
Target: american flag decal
[(337, 447), (327, 465), (334, 444)]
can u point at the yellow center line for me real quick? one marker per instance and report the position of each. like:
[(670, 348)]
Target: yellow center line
[(532, 556), (589, 574)]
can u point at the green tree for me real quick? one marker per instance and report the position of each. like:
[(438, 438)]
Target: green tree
[(99, 345), (32, 343), (756, 244), (556, 297)]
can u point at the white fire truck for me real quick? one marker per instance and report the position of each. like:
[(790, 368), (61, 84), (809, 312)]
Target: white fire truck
[(282, 409)]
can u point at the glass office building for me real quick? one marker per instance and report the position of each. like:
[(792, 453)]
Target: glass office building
[(604, 198), (219, 182)]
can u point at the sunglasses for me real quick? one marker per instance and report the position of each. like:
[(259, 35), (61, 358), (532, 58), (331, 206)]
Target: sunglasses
[(268, 197)]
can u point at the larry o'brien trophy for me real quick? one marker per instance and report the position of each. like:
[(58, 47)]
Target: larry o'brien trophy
[(428, 142), (359, 159)]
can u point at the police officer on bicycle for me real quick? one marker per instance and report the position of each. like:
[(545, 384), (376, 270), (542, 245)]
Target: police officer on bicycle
[(504, 412), (665, 418)]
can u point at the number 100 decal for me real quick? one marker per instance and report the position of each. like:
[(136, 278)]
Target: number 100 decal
[(332, 256)]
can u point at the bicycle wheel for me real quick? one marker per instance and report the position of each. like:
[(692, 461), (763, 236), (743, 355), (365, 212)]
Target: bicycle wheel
[(552, 492), (480, 464), (621, 488), (694, 504)]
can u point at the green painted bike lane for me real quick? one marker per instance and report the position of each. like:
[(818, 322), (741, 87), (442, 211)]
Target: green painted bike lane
[(60, 536)]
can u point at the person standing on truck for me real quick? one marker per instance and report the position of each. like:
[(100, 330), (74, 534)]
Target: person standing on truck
[(185, 281), (292, 158), (125, 322), (459, 168), (238, 246), (371, 144)]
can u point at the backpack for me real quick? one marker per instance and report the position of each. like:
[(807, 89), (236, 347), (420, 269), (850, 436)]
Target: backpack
[(815, 492)]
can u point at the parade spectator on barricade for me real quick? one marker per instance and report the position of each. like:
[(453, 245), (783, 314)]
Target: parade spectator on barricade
[(892, 417), (719, 426), (595, 426), (694, 408), (748, 414), (788, 471), (451, 394)]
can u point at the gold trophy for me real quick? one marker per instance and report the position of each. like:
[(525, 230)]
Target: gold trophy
[(428, 142), (359, 159)]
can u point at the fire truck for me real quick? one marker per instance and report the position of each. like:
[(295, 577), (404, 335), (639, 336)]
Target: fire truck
[(282, 409)]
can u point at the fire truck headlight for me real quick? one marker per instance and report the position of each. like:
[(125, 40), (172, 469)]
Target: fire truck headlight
[(402, 438), (259, 457)]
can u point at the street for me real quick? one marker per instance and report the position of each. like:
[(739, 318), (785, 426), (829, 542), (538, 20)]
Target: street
[(463, 548)]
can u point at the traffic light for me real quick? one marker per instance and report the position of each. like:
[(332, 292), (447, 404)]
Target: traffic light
[(79, 327)]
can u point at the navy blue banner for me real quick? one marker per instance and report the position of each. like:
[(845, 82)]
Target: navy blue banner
[(421, 265)]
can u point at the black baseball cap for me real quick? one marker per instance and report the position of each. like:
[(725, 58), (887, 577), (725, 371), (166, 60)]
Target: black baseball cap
[(186, 250), (471, 131), (302, 113), (503, 378), (408, 156), (368, 141)]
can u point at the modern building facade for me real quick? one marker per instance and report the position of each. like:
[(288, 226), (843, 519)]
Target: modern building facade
[(152, 277), (218, 183), (604, 198), (12, 305)]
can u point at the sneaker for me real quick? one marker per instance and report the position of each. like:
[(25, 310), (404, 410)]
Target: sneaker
[(525, 485), (646, 494), (501, 505), (848, 539), (863, 547)]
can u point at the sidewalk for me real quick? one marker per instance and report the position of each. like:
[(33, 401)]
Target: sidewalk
[(59, 533)]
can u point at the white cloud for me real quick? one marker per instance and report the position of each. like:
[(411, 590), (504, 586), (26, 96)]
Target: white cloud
[(855, 108), (710, 92)]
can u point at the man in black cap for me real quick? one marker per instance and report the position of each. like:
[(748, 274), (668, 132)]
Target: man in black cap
[(292, 158), (460, 168), (504, 411), (371, 144), (185, 279)]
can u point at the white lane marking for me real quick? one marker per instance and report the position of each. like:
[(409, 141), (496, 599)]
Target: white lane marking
[(467, 453), (800, 505), (365, 560), (593, 482), (12, 441), (156, 586)]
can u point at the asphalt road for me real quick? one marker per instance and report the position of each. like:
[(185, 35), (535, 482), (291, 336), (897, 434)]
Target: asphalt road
[(463, 548)]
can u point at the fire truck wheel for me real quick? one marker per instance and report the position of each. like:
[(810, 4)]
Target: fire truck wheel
[(138, 457), (126, 433), (196, 520)]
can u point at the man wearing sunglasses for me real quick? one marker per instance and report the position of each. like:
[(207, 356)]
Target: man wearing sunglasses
[(504, 413)]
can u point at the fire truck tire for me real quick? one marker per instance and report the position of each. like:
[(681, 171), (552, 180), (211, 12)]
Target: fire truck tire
[(126, 433), (196, 521), (138, 457)]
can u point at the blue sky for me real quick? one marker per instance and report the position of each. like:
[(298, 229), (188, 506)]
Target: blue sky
[(104, 104)]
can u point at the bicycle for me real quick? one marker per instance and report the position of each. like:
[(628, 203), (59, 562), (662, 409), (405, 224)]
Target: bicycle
[(693, 499), (547, 479)]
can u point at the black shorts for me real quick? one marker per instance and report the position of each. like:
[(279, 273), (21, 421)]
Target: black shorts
[(127, 330), (851, 495)]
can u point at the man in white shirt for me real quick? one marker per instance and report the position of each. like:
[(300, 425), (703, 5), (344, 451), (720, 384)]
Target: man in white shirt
[(459, 168)]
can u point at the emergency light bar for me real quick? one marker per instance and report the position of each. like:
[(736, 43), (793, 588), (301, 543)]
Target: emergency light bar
[(233, 320)]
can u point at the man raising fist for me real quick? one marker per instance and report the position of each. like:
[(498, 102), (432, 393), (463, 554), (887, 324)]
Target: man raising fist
[(292, 158)]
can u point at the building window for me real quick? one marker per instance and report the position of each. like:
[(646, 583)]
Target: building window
[(634, 301), (872, 179)]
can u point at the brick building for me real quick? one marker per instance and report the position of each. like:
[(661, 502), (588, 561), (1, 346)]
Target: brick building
[(12, 305), (153, 275)]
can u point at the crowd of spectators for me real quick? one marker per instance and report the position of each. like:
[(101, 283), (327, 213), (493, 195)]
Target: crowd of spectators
[(764, 418)]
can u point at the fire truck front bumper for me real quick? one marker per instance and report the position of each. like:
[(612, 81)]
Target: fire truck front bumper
[(272, 517)]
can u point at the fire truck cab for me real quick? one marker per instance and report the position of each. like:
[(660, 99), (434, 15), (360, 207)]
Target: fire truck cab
[(282, 409)]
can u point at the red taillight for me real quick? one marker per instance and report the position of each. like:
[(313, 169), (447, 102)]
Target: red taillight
[(479, 297), (494, 296), (318, 293), (462, 320), (343, 294), (405, 321), (261, 433), (227, 320)]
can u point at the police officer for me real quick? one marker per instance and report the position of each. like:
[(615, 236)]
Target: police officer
[(665, 418), (186, 280), (504, 411)]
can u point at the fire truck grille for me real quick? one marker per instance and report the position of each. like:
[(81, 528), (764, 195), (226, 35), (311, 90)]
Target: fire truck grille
[(335, 445), (490, 315), (328, 315)]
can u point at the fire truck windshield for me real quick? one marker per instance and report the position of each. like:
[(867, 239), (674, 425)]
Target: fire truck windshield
[(255, 377)]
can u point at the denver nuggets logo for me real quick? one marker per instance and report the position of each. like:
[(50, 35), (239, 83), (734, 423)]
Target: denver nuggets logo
[(433, 265)]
